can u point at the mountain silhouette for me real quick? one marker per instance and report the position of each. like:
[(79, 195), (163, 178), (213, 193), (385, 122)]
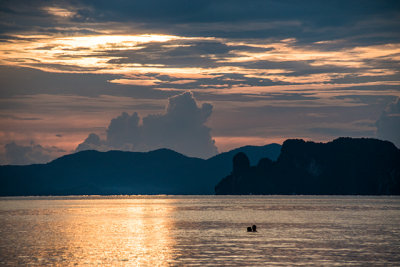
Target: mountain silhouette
[(345, 166), (161, 171)]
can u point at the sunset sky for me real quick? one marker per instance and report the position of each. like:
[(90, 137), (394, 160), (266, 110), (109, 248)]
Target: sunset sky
[(199, 77)]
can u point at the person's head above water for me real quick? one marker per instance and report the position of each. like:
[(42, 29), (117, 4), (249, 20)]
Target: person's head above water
[(254, 228), (249, 229)]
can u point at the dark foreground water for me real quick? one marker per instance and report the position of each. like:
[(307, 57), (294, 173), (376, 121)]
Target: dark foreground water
[(200, 230)]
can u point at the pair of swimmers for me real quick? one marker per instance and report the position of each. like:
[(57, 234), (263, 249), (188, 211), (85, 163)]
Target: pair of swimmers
[(252, 229)]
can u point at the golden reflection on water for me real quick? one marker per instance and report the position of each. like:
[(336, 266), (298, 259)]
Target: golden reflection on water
[(199, 230), (132, 232), (138, 234), (149, 235)]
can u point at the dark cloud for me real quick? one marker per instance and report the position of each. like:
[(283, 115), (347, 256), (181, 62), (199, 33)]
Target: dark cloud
[(388, 124), (373, 21), (13, 117), (124, 130), (33, 153), (92, 142), (336, 12), (180, 128), (176, 54), (26, 81)]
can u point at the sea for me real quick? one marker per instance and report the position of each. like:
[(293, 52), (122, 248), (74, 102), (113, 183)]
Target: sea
[(164, 230)]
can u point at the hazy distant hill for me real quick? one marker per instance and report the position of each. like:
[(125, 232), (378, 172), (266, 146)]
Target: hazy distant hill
[(343, 166), (254, 153), (161, 171)]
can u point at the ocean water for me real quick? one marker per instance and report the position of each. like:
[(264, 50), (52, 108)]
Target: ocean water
[(200, 231)]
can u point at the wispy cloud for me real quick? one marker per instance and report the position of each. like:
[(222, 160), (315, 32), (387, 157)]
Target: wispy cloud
[(176, 58), (59, 11)]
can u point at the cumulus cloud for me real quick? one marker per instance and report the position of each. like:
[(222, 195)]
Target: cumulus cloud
[(124, 130), (181, 128), (33, 153), (388, 124), (92, 142)]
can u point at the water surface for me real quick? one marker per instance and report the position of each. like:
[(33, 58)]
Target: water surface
[(200, 230)]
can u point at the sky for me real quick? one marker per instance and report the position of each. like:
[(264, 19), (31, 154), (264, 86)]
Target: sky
[(199, 77)]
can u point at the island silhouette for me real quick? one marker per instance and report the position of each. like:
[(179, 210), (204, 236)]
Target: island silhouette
[(343, 166), (162, 171)]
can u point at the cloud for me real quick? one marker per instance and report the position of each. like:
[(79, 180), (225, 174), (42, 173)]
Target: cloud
[(33, 153), (181, 128), (124, 132), (388, 124), (61, 12), (75, 59), (160, 61), (92, 142), (362, 21)]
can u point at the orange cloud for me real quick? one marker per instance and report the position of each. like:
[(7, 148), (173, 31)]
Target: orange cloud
[(60, 12), (183, 81), (135, 82), (94, 54)]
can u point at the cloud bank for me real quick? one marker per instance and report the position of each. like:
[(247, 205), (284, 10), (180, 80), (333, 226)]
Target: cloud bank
[(181, 128), (30, 154), (388, 124)]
